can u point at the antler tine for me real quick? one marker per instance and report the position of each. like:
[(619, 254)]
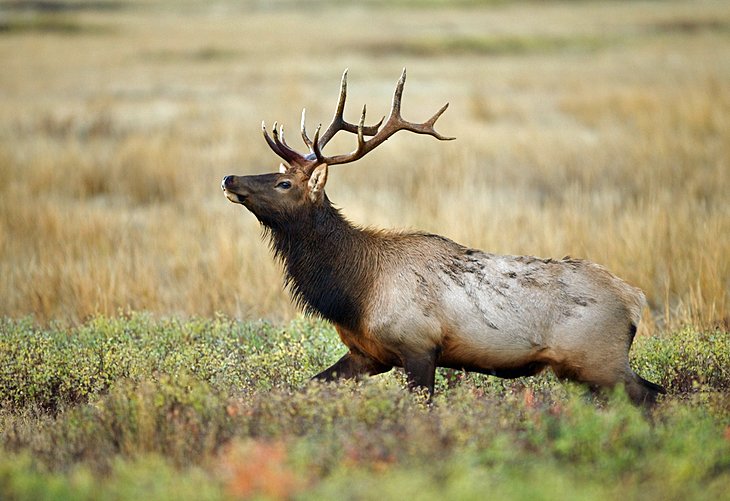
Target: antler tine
[(280, 147), (305, 137), (343, 94), (315, 145), (283, 141), (275, 133), (397, 96), (270, 141), (281, 136), (361, 132), (432, 121), (337, 119)]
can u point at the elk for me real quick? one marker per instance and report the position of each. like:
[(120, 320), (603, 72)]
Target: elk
[(420, 301)]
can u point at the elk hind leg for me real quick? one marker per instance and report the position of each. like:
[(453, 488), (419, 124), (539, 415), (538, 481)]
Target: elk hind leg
[(600, 373)]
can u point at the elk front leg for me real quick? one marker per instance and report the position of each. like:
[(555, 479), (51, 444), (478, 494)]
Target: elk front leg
[(351, 366), (421, 371)]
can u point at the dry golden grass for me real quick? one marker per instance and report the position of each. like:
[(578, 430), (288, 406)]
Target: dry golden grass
[(599, 130)]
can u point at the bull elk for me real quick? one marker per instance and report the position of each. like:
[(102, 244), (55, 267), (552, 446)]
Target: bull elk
[(421, 301)]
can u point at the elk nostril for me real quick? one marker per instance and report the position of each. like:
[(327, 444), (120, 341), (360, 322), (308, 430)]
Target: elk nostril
[(226, 182)]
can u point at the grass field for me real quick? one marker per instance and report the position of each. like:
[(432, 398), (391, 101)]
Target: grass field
[(600, 131), (595, 129)]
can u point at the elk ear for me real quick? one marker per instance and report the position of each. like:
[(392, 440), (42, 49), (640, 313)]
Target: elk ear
[(316, 182)]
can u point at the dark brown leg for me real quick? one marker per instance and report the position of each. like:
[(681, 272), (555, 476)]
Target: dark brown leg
[(516, 372), (421, 371), (351, 366)]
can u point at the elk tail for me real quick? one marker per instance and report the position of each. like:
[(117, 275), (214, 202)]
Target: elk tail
[(643, 392), (651, 387)]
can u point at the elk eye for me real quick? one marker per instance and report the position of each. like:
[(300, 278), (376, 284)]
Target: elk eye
[(284, 185)]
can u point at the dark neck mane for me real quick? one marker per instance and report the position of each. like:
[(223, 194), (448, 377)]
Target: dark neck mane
[(325, 260)]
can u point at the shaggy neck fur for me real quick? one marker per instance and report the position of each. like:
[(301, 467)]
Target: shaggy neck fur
[(326, 262)]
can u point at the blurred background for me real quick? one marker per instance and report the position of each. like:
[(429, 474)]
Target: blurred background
[(593, 129)]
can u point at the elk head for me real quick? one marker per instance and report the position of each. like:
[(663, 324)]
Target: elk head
[(280, 198)]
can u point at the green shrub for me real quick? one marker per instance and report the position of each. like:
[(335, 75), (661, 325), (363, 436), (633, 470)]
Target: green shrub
[(686, 360), (64, 366), (148, 477), (179, 417)]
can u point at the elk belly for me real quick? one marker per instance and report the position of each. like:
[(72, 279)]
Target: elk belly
[(478, 336), (486, 354)]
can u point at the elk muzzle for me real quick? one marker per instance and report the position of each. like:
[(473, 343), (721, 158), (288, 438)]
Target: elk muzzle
[(234, 189)]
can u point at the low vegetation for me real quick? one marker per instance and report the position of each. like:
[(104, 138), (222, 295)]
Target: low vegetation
[(603, 140), (221, 409)]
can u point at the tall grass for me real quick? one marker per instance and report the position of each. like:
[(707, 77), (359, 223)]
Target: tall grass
[(113, 143)]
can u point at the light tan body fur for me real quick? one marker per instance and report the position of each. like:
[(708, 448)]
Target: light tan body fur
[(490, 313)]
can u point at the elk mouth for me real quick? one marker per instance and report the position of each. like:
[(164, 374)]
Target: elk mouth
[(236, 198)]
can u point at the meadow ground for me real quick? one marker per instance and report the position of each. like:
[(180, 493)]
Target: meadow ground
[(595, 129), (141, 408)]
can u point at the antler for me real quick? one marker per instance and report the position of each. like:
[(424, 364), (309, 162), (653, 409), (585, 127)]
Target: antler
[(393, 124), (282, 149)]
